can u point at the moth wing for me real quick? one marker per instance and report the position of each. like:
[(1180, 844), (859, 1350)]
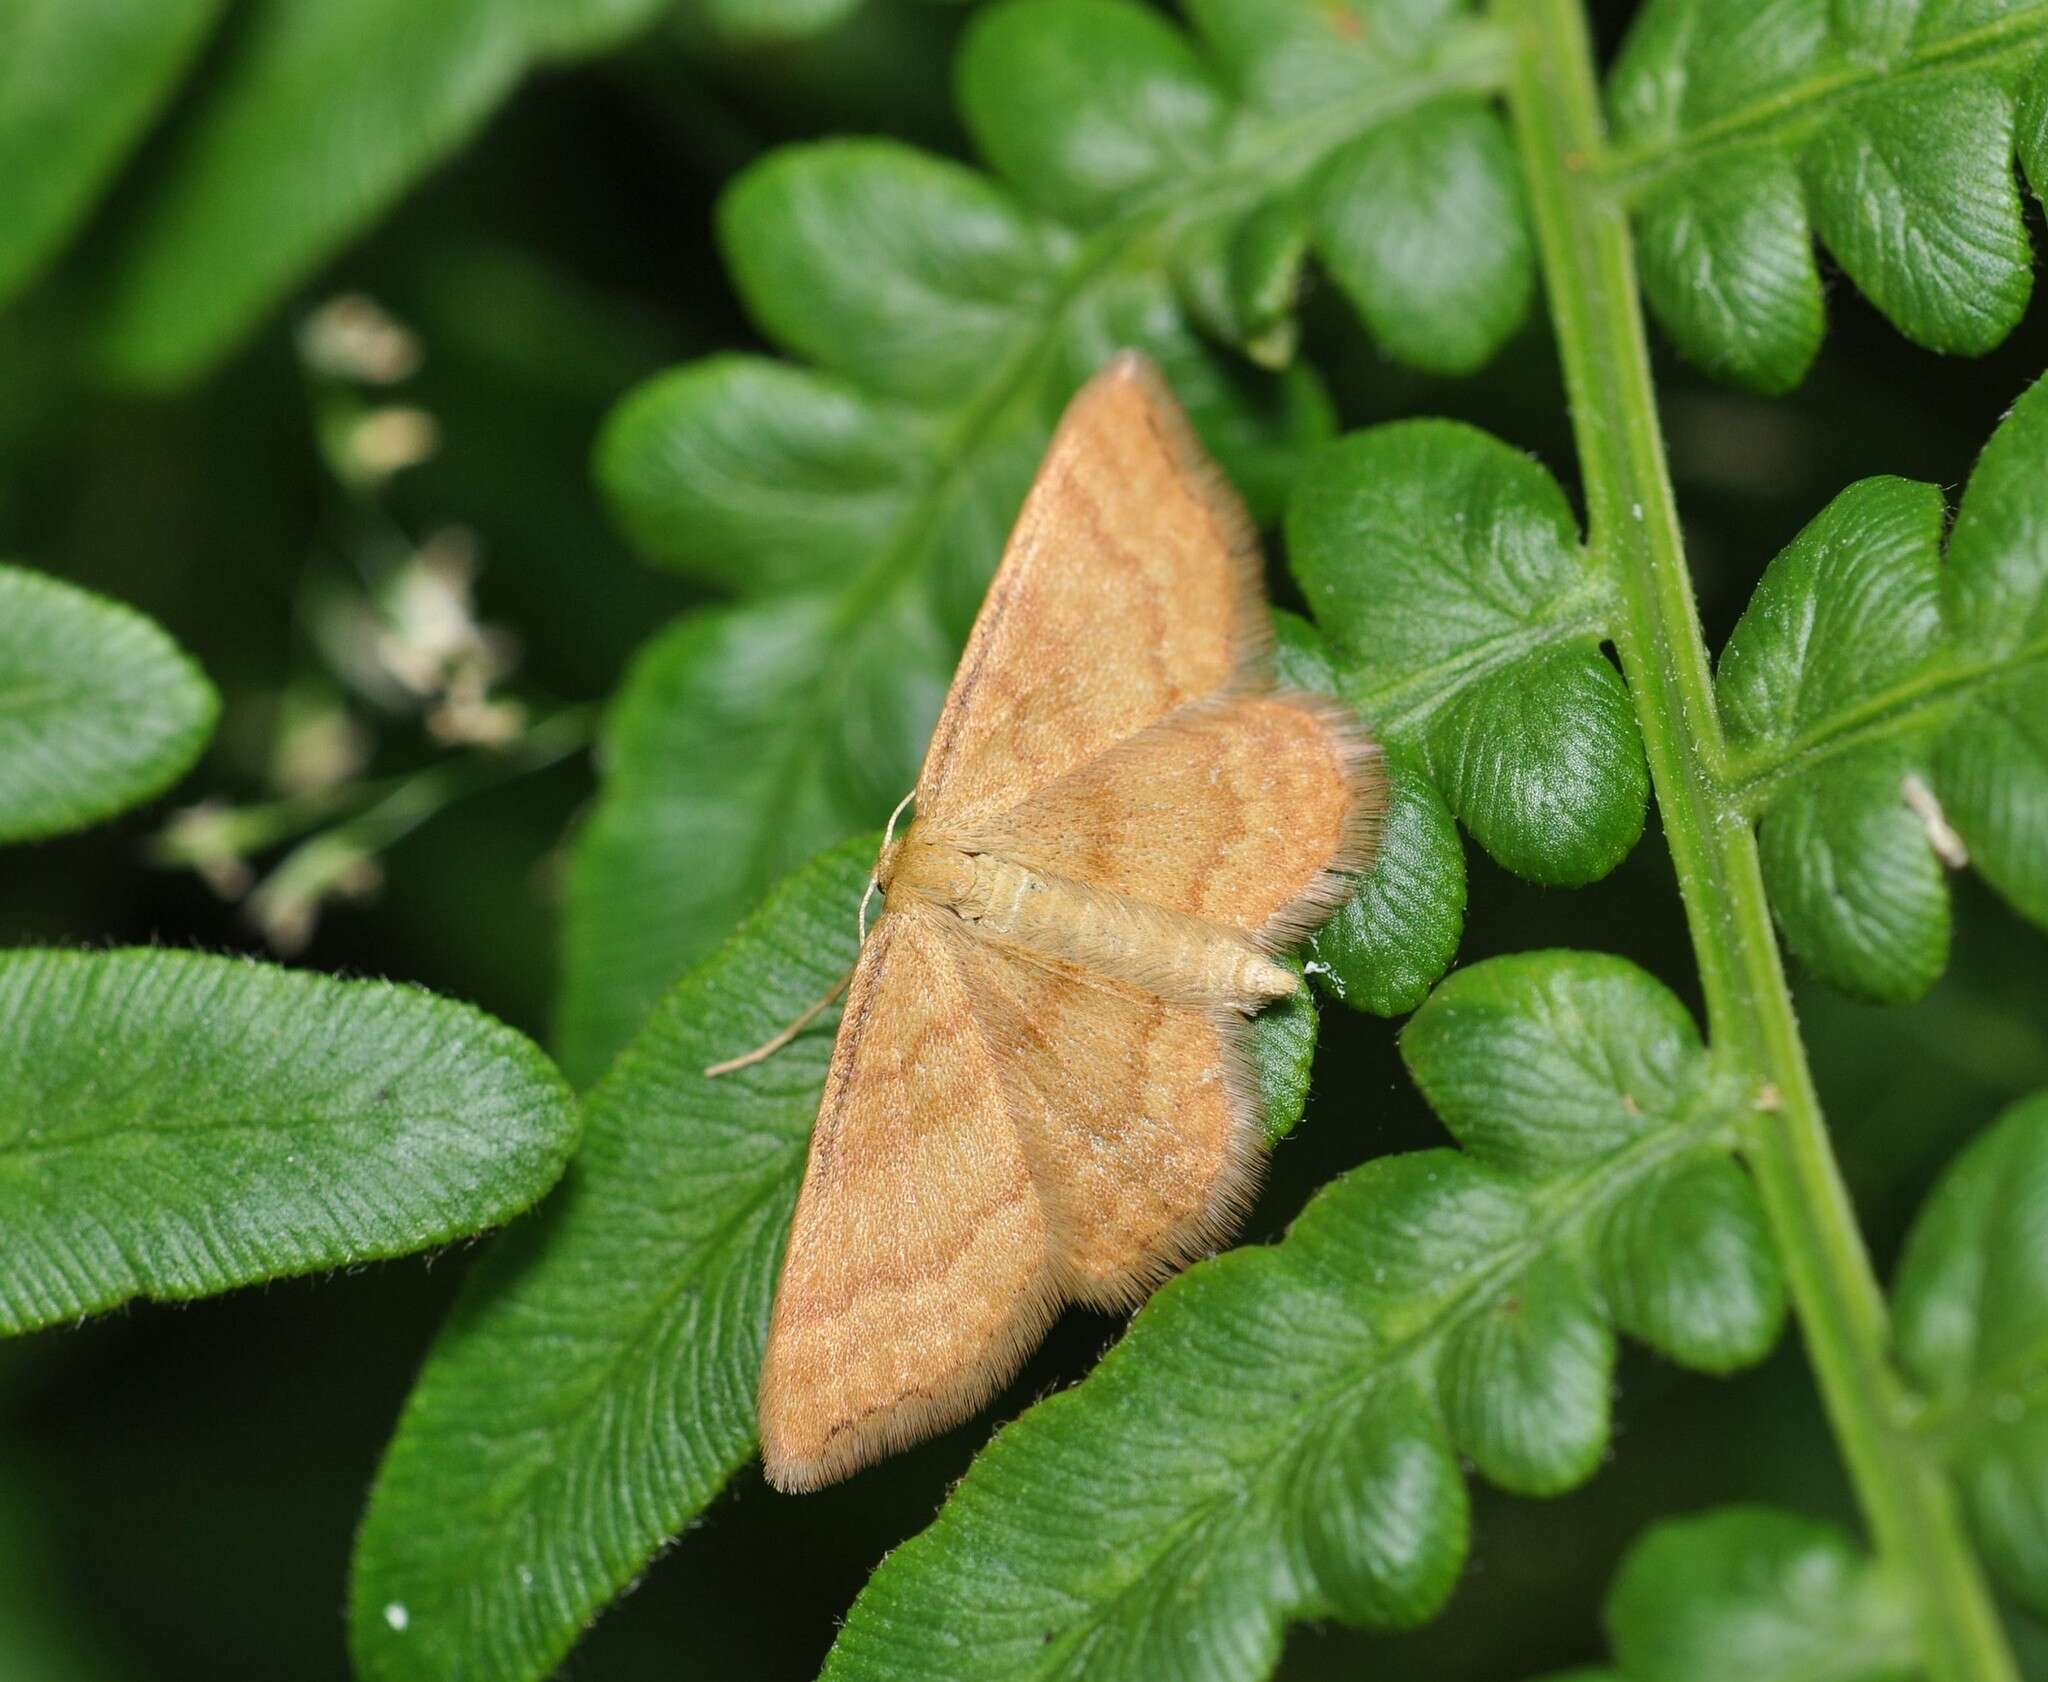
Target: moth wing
[(1131, 585), (1248, 810), (1137, 1116), (917, 1275)]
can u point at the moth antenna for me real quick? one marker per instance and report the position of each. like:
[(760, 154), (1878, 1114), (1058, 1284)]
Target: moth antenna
[(768, 1048), (874, 876), (889, 829)]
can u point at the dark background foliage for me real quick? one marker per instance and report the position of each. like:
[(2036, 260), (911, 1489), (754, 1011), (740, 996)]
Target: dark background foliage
[(178, 1486)]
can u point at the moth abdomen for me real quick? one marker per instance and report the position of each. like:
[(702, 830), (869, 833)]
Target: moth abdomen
[(1185, 958)]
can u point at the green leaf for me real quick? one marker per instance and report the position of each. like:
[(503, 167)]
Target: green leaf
[(1420, 222), (1992, 769), (1728, 267), (1971, 1310), (1283, 1050), (99, 710), (1387, 945), (79, 82), (1850, 605), (1526, 1387), (1301, 658), (1083, 104), (1264, 260), (1099, 107), (1741, 125), (322, 114), (1859, 893), (727, 760), (1466, 622), (1151, 1522), (954, 318), (754, 23), (1995, 591), (1760, 1594), (2031, 129), (755, 475), (566, 28), (1290, 57), (1850, 609), (1914, 194), (172, 1125), (595, 1387), (1542, 1059), (1875, 699), (1691, 1268), (902, 272), (1240, 281)]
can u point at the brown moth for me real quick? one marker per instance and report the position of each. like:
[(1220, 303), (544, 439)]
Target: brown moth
[(1041, 1092)]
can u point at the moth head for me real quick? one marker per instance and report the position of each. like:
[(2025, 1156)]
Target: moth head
[(892, 845), (885, 862)]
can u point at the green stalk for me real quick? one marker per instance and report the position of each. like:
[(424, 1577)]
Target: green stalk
[(1589, 272)]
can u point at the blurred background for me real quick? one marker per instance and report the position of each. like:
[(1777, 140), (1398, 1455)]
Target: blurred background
[(179, 1487)]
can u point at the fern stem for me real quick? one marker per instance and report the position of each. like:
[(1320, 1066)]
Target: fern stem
[(1589, 272)]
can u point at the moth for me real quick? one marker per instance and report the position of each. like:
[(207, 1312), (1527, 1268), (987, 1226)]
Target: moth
[(1041, 1091)]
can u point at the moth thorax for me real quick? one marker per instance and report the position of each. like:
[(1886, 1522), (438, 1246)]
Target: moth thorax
[(934, 871)]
